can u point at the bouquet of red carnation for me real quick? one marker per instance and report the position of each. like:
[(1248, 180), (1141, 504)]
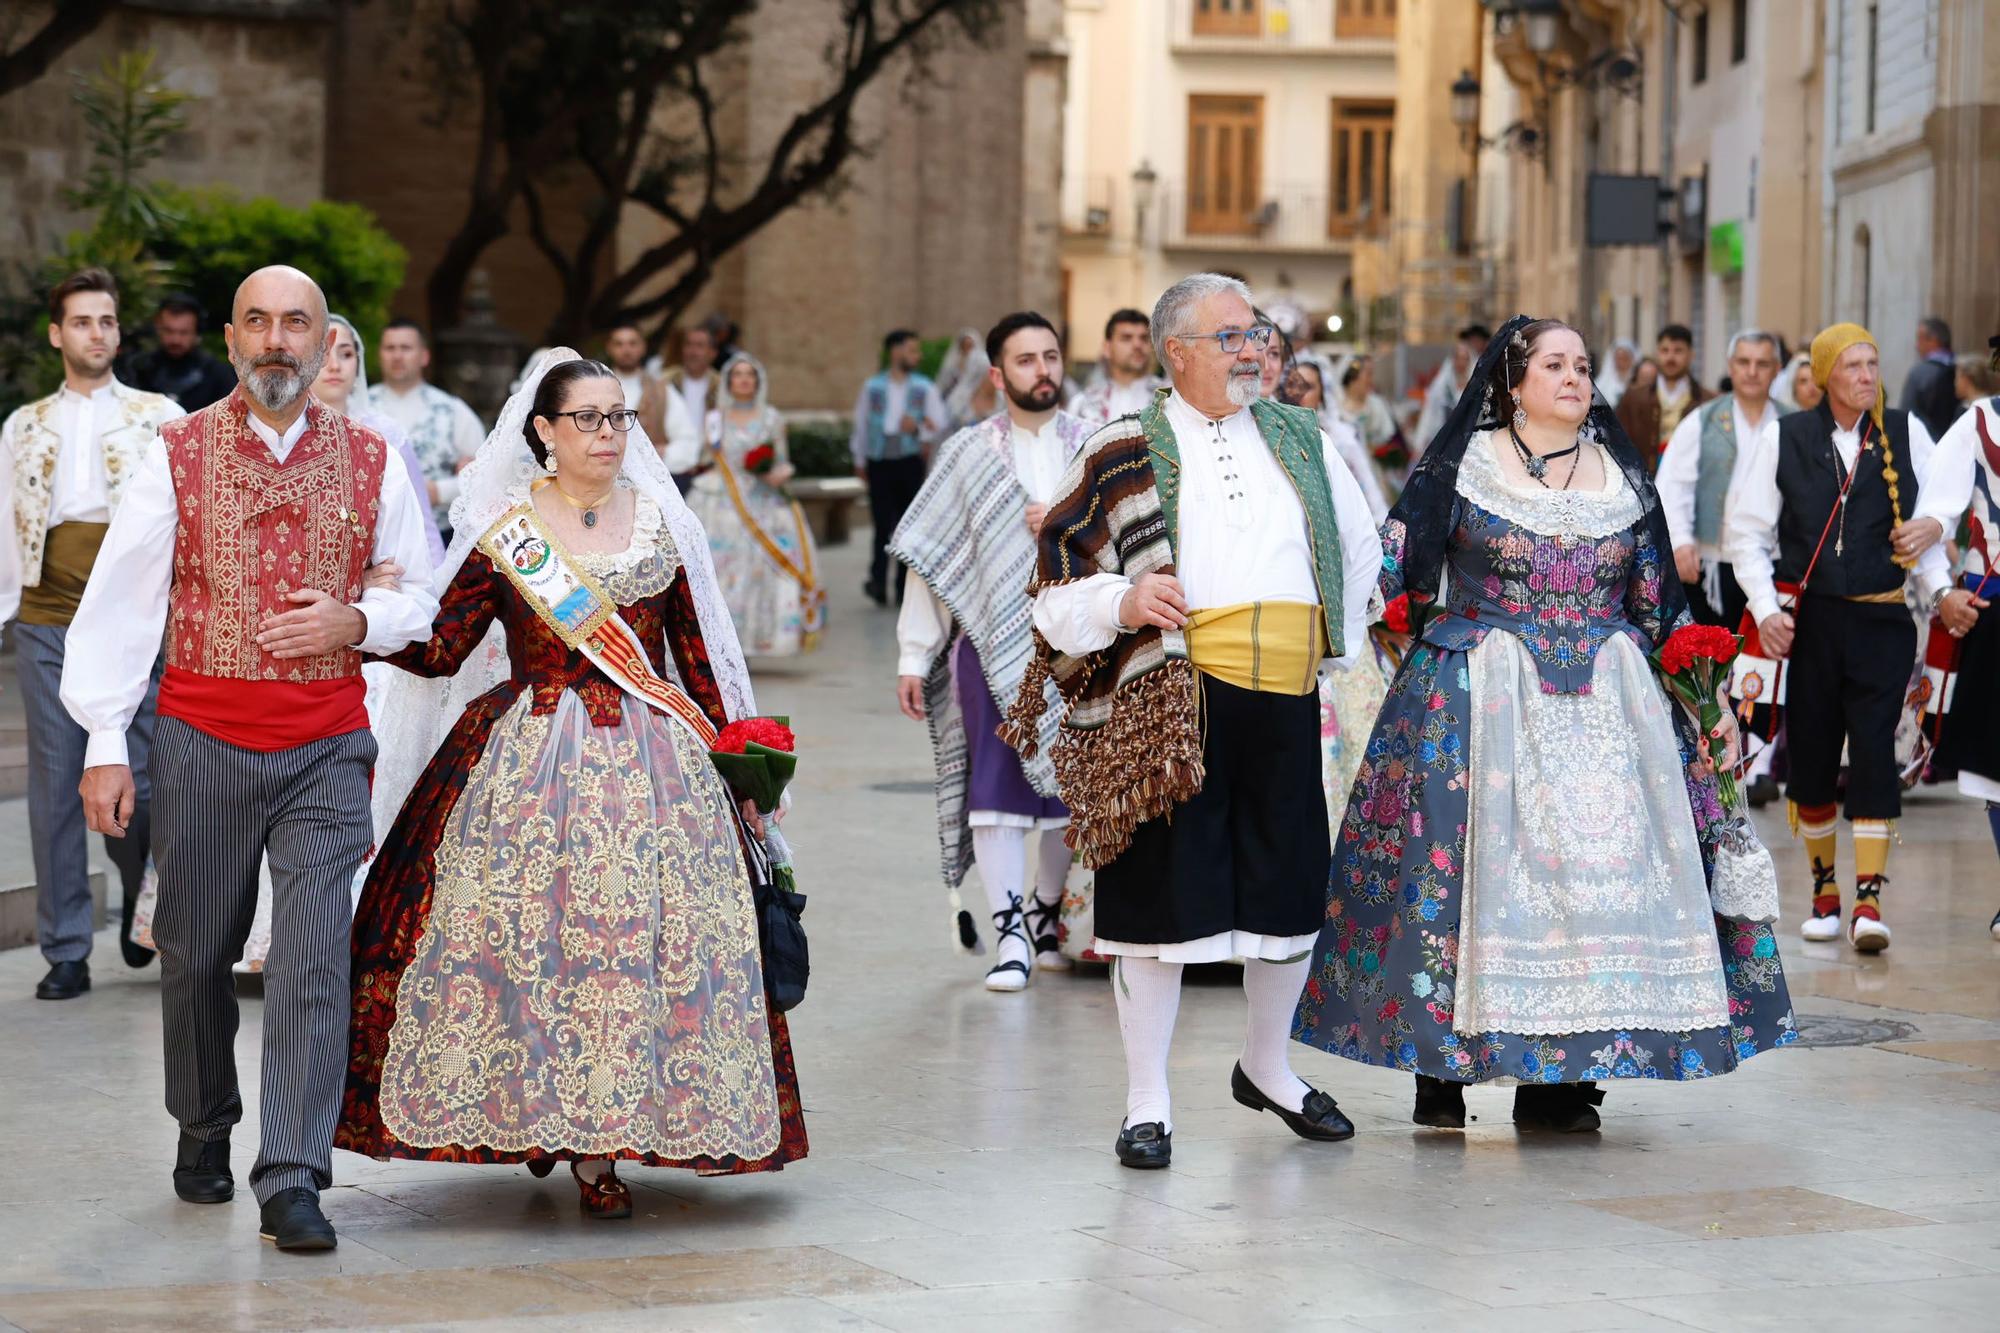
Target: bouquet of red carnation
[(1396, 615), (756, 757), (1693, 663), (761, 459)]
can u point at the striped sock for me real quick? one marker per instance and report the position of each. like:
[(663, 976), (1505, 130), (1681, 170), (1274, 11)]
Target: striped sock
[(1871, 858), (1816, 825)]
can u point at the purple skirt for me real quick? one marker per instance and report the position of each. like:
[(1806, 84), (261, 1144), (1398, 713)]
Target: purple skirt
[(996, 784)]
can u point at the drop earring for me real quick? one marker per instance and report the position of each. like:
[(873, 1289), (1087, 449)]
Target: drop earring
[(1520, 417)]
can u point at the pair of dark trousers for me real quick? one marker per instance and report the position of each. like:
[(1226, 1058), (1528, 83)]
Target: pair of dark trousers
[(219, 811), (893, 484), (1844, 686), (56, 827), (1728, 615)]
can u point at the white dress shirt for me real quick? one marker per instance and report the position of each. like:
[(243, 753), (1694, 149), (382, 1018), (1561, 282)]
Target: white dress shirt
[(1242, 538), (116, 635), (79, 492), (693, 394), (1948, 491), (1680, 470), (1750, 524), (931, 427), (923, 625), (444, 431)]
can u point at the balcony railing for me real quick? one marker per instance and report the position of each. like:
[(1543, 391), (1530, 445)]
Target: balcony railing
[(1294, 218), (1281, 26)]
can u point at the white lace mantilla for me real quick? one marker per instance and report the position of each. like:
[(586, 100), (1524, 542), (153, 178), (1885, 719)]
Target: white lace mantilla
[(1546, 510)]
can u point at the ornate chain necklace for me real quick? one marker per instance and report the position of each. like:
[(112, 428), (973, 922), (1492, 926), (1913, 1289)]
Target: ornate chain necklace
[(1538, 464), (589, 507)]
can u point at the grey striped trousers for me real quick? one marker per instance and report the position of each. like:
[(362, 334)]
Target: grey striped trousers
[(217, 810)]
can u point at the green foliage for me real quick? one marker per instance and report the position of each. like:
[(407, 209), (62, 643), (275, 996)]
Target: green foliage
[(819, 448), (219, 239), (129, 117)]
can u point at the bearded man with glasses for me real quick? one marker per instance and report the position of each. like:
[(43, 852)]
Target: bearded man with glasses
[(1200, 566)]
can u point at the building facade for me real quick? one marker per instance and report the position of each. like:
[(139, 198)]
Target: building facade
[(1251, 136)]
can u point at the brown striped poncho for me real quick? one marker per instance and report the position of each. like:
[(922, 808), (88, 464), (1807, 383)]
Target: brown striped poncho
[(1130, 749)]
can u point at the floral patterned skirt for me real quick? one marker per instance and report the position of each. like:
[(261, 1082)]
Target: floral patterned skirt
[(1381, 989), (775, 615), (556, 955)]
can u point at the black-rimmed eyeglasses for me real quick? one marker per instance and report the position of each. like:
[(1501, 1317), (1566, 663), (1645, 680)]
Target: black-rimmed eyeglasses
[(589, 419), (1231, 340)]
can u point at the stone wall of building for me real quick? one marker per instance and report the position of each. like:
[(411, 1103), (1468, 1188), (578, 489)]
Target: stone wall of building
[(257, 72)]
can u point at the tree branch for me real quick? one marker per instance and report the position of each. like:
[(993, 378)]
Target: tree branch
[(72, 21)]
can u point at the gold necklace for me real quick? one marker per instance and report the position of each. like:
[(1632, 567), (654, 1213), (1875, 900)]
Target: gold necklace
[(589, 508)]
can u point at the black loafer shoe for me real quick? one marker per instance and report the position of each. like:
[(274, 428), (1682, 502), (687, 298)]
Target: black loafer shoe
[(1561, 1108), (1319, 1119), (65, 981), (292, 1221), (1145, 1147), (201, 1170)]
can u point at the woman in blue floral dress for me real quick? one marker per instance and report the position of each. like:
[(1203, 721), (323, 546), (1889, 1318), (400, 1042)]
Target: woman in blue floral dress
[(1520, 887)]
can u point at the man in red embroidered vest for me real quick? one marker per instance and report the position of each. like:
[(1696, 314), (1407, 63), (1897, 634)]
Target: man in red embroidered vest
[(272, 508)]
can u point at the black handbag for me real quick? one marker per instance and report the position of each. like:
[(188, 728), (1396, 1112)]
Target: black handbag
[(781, 934)]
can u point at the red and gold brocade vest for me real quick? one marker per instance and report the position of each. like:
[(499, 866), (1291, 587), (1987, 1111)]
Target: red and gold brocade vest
[(251, 530)]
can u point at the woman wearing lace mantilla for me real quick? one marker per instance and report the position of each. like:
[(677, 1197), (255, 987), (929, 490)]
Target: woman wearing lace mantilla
[(556, 954), (1521, 885)]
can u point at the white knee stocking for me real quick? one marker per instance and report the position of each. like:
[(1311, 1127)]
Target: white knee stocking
[(1002, 857), (1149, 999), (1052, 861), (1272, 992)]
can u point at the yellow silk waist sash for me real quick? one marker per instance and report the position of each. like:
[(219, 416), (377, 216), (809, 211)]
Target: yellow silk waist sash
[(1270, 646)]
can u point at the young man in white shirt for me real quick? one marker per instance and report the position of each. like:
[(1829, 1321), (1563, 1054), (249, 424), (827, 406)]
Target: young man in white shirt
[(963, 642), (67, 459), (443, 430), (662, 414), (1128, 382)]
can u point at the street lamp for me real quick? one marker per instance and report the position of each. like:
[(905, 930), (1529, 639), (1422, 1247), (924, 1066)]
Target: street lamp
[(1465, 100), (1144, 182), (1543, 21)]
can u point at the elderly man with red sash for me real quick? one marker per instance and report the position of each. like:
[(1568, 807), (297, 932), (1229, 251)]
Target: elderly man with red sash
[(273, 508)]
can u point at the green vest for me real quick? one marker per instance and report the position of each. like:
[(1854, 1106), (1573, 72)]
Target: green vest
[(1718, 462), (1292, 434)]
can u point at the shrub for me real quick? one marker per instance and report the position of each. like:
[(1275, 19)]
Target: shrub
[(819, 448), (217, 239)]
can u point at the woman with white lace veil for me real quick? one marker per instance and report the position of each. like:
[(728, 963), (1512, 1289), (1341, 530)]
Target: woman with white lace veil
[(556, 955), (758, 537), (1522, 884)]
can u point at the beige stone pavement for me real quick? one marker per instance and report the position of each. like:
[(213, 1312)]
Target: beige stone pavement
[(962, 1175)]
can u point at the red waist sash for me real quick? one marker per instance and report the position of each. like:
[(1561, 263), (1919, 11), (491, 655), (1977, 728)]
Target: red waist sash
[(264, 715)]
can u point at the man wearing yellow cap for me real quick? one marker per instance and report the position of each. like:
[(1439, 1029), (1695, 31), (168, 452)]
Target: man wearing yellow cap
[(1824, 549)]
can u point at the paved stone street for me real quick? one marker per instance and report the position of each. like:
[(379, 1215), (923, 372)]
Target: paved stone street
[(962, 1177)]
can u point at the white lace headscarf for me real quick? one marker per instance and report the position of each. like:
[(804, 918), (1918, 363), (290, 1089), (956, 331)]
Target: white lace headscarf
[(417, 713)]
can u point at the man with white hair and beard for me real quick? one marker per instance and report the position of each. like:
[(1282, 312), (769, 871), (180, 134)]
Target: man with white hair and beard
[(1200, 565), (244, 538)]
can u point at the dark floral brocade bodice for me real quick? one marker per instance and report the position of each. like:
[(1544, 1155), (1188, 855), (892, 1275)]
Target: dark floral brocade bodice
[(1562, 571)]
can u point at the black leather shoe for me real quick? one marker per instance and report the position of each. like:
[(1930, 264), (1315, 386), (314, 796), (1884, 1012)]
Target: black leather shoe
[(136, 955), (292, 1221), (1145, 1147), (1440, 1104), (65, 981), (1320, 1119), (876, 593), (201, 1170)]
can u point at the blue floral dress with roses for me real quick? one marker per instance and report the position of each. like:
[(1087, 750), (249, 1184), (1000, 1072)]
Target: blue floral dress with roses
[(1519, 885)]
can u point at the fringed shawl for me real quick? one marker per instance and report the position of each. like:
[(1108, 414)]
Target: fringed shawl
[(1130, 747), (966, 536)]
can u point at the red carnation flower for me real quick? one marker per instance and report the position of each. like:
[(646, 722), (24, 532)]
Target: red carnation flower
[(1396, 615), (761, 459), (767, 732)]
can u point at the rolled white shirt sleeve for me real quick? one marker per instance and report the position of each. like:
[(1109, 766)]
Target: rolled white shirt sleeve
[(1360, 552), (403, 614), (1750, 526), (922, 627), (10, 544), (683, 451), (1679, 474), (1082, 617), (115, 637), (1945, 492), (1932, 570)]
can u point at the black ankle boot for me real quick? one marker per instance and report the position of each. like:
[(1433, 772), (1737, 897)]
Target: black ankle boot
[(1440, 1105)]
